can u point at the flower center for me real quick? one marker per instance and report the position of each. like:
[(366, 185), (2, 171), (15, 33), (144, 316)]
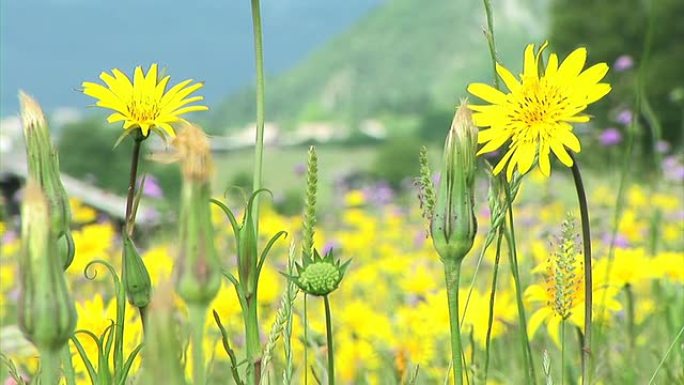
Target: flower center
[(143, 109), (537, 109)]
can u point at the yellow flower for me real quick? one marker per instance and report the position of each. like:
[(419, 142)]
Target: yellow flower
[(537, 112), (144, 103), (81, 213)]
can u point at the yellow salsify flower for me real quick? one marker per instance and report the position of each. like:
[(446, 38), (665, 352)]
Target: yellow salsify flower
[(145, 103), (537, 113)]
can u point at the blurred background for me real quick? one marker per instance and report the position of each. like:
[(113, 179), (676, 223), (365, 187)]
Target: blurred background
[(369, 81)]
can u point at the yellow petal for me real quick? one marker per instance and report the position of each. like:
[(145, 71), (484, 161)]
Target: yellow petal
[(509, 80), (487, 93), (569, 139), (560, 152), (593, 74), (544, 163), (536, 320), (526, 157), (597, 92), (529, 64), (552, 66), (499, 166), (494, 143), (572, 65)]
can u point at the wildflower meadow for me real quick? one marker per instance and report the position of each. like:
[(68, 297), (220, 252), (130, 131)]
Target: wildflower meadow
[(530, 243)]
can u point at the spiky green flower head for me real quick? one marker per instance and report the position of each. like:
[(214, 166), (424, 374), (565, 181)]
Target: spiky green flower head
[(320, 276)]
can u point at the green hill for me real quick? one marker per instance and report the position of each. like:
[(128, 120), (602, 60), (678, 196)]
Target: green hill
[(403, 59)]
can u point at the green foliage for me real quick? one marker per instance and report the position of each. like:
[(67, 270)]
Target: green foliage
[(402, 58), (87, 153), (396, 161), (622, 30)]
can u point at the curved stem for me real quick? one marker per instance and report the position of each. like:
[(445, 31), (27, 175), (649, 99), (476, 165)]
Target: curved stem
[(331, 355), (197, 314), (452, 275), (522, 319), (259, 145), (588, 297)]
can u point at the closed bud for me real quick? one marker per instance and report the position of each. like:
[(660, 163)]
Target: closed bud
[(453, 226), (198, 272), (43, 167), (136, 279), (47, 315)]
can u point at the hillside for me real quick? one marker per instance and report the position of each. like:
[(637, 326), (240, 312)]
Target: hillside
[(405, 57)]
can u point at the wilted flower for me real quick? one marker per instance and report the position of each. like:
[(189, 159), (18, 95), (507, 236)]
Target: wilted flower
[(145, 103), (537, 113)]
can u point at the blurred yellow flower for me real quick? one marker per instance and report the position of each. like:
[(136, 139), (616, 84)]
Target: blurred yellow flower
[(81, 213), (92, 242), (145, 103), (538, 111)]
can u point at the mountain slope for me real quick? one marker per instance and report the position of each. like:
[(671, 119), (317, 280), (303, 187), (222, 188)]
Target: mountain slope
[(404, 57)]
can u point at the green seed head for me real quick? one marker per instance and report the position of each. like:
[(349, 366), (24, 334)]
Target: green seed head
[(320, 278), (320, 275)]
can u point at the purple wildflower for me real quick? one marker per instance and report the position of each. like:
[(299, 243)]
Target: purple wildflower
[(623, 63), (151, 188), (610, 137), (624, 117)]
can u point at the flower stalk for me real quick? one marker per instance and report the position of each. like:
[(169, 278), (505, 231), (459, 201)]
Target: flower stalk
[(329, 338), (260, 108), (588, 286)]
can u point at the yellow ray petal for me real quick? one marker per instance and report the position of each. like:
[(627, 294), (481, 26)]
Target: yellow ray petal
[(487, 93), (509, 80), (529, 64), (560, 152), (572, 65), (544, 162)]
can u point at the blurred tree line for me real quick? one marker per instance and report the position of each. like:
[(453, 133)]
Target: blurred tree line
[(619, 28)]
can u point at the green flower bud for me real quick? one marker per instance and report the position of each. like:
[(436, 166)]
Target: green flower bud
[(43, 167), (198, 272), (47, 315), (453, 226), (136, 279), (320, 276)]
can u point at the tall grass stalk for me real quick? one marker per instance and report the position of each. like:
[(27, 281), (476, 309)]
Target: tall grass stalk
[(667, 353), (562, 337), (260, 103), (492, 298), (522, 318)]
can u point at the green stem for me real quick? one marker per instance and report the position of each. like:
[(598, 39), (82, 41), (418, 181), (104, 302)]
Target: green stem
[(306, 343), (130, 194), (562, 336), (68, 366), (49, 367), (490, 39), (492, 297), (631, 330), (452, 275), (522, 319), (328, 330), (197, 315), (259, 145), (253, 343), (588, 286), (667, 353)]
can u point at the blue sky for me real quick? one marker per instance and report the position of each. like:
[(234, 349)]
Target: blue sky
[(48, 47)]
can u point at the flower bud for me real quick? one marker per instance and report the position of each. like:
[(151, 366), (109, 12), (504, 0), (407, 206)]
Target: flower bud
[(453, 225), (198, 272), (47, 315), (43, 167), (135, 276), (320, 276)]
